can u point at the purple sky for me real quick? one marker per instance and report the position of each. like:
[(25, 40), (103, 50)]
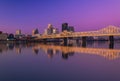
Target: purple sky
[(84, 15)]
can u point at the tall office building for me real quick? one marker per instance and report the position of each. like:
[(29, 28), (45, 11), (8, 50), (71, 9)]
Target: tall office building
[(49, 29), (50, 26), (55, 31), (19, 35), (71, 29), (34, 32), (64, 27), (18, 32)]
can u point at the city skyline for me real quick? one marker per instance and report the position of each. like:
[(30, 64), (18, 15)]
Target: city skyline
[(84, 15)]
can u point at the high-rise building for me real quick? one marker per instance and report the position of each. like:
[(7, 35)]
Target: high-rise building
[(67, 28), (18, 32), (55, 31), (50, 26), (34, 32), (49, 29), (71, 29), (64, 27), (19, 35), (45, 32)]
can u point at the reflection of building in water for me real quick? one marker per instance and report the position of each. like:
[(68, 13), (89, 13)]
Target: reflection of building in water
[(66, 51), (18, 50), (107, 53), (6, 46), (35, 50), (3, 47), (66, 55), (50, 53), (10, 46)]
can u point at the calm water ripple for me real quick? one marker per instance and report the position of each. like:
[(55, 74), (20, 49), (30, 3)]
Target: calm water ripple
[(97, 61)]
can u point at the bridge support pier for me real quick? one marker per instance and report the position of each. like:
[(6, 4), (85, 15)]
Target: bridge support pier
[(77, 41), (65, 41), (111, 42), (44, 41), (84, 41), (111, 38)]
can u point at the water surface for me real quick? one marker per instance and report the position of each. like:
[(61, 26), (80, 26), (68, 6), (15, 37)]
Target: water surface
[(47, 62)]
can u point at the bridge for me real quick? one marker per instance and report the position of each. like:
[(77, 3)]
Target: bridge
[(104, 52), (109, 31)]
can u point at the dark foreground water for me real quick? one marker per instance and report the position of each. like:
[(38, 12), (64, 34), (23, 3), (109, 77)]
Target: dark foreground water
[(40, 62)]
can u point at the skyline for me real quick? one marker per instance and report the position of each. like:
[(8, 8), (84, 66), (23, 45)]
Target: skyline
[(84, 15)]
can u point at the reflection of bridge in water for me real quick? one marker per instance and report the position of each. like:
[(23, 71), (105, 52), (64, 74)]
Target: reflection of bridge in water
[(66, 50), (107, 53)]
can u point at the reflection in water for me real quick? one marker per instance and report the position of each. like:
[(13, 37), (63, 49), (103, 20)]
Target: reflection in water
[(65, 51), (53, 62), (66, 55), (35, 50), (50, 53), (18, 50)]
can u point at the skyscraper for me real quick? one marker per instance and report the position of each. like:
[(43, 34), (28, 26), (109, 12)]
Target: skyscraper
[(50, 26), (55, 31), (19, 35), (64, 27), (49, 29), (71, 29), (35, 31), (18, 32)]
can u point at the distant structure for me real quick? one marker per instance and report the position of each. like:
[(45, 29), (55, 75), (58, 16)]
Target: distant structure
[(10, 37), (35, 34), (51, 30), (66, 27), (36, 31), (71, 29), (18, 50), (3, 36), (55, 31), (18, 32), (1, 32)]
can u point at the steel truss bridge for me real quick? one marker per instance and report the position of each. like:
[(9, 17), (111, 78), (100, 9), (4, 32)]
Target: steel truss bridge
[(107, 31)]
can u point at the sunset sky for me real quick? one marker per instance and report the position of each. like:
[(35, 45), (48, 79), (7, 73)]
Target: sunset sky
[(84, 15)]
